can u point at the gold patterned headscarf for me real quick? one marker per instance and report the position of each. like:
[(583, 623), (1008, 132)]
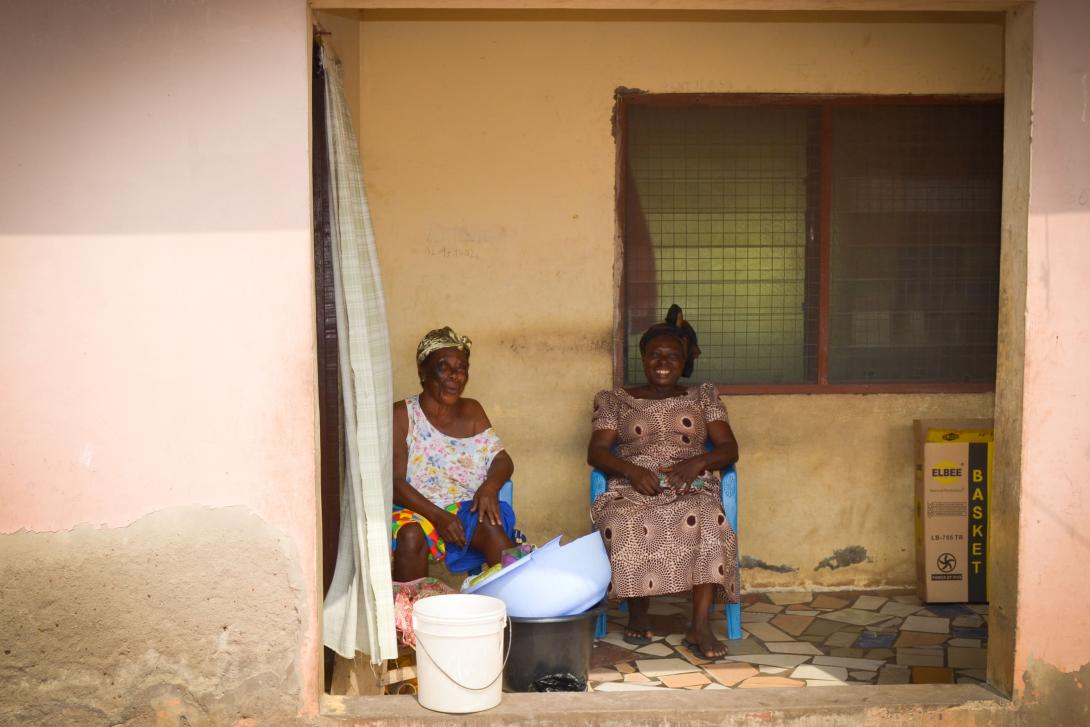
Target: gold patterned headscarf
[(444, 337)]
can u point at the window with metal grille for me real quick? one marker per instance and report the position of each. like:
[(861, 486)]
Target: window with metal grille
[(816, 244)]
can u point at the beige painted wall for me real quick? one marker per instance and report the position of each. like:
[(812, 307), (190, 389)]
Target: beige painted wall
[(489, 165)]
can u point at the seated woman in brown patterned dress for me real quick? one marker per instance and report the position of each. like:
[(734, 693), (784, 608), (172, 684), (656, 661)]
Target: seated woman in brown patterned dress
[(661, 518)]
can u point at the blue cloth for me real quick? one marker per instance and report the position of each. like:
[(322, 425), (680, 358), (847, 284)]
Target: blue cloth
[(461, 560)]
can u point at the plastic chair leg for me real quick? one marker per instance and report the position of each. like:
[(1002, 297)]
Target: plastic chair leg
[(734, 621), (600, 625)]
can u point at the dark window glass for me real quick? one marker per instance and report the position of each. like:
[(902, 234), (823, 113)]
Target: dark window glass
[(916, 195), (722, 214)]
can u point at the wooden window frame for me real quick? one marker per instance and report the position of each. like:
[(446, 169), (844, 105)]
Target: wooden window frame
[(627, 98)]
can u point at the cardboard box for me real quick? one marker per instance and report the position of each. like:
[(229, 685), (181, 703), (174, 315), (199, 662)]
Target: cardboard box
[(953, 477)]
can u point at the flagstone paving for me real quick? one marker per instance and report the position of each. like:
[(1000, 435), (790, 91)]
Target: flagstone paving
[(802, 639)]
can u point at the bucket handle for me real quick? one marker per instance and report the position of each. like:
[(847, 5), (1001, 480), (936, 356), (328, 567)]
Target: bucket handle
[(507, 627)]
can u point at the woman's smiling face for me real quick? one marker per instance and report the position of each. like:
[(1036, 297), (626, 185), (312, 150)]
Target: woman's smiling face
[(444, 374), (663, 360)]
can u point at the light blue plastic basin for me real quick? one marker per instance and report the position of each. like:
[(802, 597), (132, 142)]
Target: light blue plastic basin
[(555, 580)]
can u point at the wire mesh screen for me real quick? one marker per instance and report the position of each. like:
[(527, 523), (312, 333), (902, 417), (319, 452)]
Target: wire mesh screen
[(721, 208), (914, 267)]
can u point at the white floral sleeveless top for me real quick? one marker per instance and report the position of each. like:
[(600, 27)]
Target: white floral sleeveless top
[(446, 469)]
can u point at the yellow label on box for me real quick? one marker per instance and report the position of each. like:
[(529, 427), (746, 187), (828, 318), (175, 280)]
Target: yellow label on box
[(965, 436)]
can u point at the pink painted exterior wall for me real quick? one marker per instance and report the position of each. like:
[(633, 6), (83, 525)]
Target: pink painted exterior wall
[(1053, 622), (156, 295)]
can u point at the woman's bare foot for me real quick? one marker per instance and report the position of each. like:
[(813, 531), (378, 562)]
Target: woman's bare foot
[(704, 644)]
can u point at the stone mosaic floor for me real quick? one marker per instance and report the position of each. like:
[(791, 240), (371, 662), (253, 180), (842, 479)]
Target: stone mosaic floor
[(802, 640)]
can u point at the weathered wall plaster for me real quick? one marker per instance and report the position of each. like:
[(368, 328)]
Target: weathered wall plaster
[(836, 472), (489, 164), (188, 616)]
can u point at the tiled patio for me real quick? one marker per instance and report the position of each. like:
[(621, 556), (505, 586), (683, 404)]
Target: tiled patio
[(802, 639)]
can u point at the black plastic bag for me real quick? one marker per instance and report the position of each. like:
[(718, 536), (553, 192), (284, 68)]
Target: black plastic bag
[(565, 682)]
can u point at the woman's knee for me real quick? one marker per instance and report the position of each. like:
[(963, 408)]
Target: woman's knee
[(411, 541), (489, 533)]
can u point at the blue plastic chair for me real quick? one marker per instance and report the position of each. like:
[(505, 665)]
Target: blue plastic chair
[(729, 494), (506, 493)]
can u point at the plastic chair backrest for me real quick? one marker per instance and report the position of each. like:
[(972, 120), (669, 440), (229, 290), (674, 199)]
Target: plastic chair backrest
[(506, 493)]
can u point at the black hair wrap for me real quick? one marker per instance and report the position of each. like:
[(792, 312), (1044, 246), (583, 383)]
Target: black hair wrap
[(675, 325)]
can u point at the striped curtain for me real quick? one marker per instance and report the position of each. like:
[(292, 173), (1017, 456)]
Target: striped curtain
[(358, 613)]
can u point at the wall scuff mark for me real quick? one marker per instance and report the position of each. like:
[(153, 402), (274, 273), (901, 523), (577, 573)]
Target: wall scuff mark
[(1056, 697), (748, 561), (844, 557)]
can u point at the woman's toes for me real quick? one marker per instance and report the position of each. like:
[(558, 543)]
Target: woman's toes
[(714, 648)]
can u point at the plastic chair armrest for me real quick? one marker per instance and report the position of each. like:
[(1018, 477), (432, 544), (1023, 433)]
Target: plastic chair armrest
[(597, 484)]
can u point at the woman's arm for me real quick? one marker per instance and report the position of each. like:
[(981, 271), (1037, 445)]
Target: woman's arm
[(407, 496), (486, 500), (725, 451), (600, 456)]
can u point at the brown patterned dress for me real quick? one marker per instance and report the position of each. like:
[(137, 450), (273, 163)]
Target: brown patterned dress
[(666, 543)]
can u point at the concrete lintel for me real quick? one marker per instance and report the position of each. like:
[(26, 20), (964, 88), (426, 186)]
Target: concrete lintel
[(827, 5), (892, 705)]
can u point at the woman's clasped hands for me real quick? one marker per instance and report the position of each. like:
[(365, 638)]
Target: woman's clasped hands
[(681, 477), (685, 475)]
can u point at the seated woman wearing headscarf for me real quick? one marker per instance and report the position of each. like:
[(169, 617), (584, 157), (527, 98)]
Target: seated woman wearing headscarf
[(661, 517), (449, 466)]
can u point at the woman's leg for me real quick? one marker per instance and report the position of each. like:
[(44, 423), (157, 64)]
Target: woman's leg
[(700, 630), (639, 625), (491, 540), (411, 556)]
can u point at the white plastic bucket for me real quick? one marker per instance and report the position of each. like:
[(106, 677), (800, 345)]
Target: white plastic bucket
[(459, 652)]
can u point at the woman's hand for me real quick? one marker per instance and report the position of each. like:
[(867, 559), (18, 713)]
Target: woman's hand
[(643, 480), (450, 529), (486, 504), (600, 455), (680, 475)]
